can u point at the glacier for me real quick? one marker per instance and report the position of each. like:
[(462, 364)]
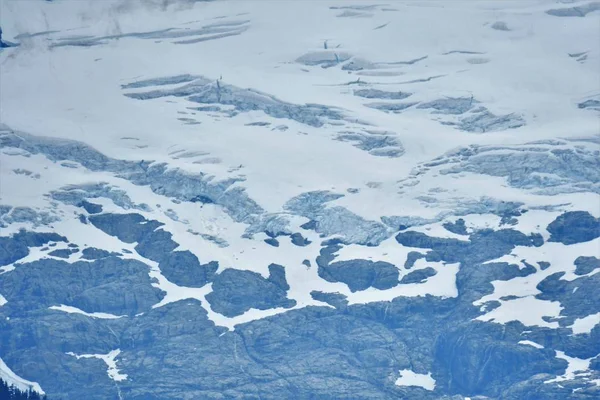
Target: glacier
[(300, 200)]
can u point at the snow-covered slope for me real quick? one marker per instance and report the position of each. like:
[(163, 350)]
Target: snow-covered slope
[(8, 376), (246, 193)]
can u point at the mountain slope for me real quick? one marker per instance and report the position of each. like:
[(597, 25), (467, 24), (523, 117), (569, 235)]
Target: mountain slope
[(300, 199)]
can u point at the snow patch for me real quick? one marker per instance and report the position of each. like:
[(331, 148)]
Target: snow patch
[(75, 310), (528, 310), (585, 324), (11, 378), (111, 363), (410, 378), (576, 365), (530, 343)]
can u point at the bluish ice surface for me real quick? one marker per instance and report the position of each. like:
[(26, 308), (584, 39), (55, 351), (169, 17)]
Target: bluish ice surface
[(206, 91), (576, 11), (178, 35)]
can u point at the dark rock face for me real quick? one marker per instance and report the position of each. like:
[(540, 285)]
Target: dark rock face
[(277, 276), (484, 245), (299, 240), (235, 291), (63, 253), (310, 225), (595, 364), (162, 340), (457, 227), (361, 274), (110, 285), (175, 351), (91, 208), (5, 44), (202, 199), (585, 265), (15, 247), (11, 250), (574, 227), (535, 388), (411, 258), (490, 358), (156, 245), (92, 253), (357, 274), (49, 335), (152, 243), (418, 276), (183, 269), (337, 300), (129, 228), (180, 267), (544, 265), (577, 297), (273, 242)]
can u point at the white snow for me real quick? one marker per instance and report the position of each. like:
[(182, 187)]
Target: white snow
[(11, 378), (526, 308), (437, 230), (542, 89), (111, 363), (544, 86), (75, 310), (575, 366), (585, 324), (6, 268), (530, 343), (410, 378), (75, 93)]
